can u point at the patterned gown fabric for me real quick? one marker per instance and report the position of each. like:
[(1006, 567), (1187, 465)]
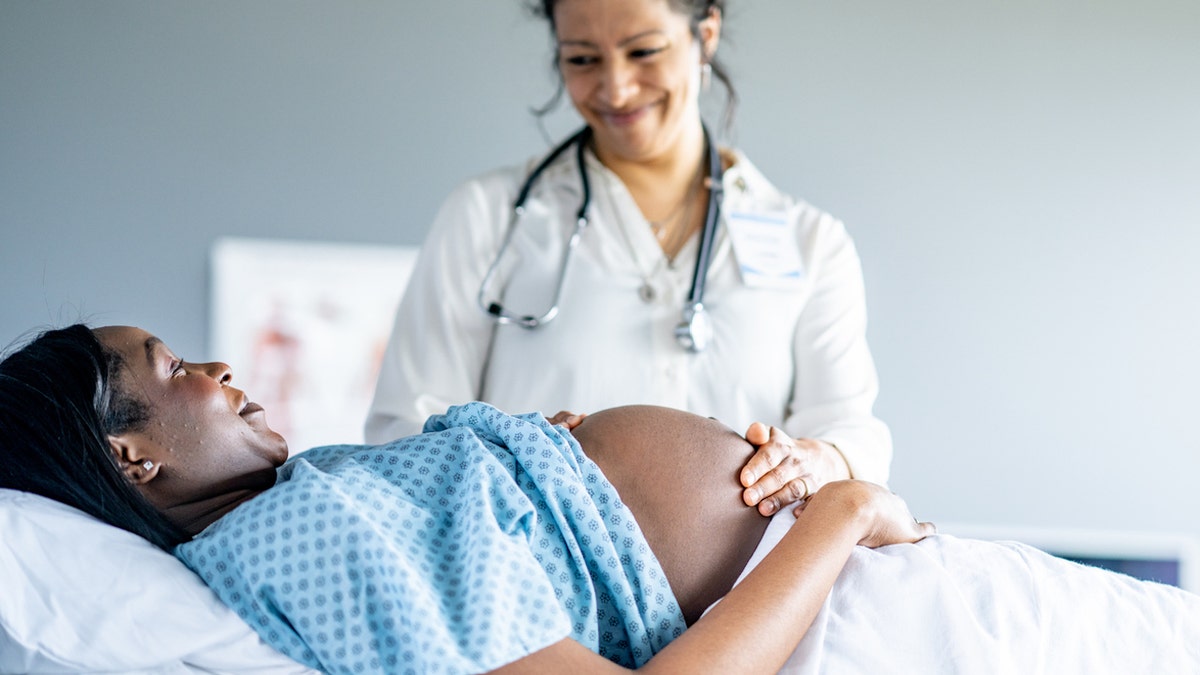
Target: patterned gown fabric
[(482, 540)]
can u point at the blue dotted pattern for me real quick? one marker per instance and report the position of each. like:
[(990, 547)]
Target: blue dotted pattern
[(467, 547)]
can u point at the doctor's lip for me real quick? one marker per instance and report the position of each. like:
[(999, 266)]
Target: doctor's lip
[(625, 117)]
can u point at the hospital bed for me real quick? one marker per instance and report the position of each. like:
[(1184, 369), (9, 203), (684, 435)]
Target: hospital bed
[(81, 596)]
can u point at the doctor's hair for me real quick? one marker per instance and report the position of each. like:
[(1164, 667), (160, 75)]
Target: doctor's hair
[(695, 10), (60, 400)]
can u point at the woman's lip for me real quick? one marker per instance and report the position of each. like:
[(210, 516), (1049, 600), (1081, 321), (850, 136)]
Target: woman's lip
[(250, 408)]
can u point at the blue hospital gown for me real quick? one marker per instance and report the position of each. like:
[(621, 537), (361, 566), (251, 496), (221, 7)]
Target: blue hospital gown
[(482, 540)]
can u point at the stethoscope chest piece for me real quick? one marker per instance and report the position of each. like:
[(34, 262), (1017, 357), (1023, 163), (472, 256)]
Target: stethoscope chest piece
[(694, 333)]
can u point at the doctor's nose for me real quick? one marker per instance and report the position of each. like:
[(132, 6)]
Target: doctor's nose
[(618, 84)]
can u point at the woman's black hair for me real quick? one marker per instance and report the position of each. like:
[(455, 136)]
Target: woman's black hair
[(695, 10), (60, 399)]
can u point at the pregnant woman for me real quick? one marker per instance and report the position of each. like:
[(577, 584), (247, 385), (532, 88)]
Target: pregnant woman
[(488, 543)]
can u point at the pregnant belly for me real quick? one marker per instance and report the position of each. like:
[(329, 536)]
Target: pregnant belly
[(677, 473)]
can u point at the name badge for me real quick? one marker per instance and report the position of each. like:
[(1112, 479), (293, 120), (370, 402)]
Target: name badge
[(765, 248)]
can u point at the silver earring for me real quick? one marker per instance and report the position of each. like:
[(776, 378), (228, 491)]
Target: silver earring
[(705, 76), (147, 465)]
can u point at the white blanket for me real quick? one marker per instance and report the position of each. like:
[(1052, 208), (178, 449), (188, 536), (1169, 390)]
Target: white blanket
[(949, 605)]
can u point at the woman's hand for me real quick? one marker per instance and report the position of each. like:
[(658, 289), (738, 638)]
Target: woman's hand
[(784, 470), (884, 516), (566, 418)]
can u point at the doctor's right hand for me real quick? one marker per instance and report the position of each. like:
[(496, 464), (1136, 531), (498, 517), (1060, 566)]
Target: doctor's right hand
[(783, 470)]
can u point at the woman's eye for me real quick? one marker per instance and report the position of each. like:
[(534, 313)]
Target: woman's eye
[(176, 368)]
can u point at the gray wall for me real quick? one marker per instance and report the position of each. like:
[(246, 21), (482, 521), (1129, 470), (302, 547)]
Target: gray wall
[(1023, 180)]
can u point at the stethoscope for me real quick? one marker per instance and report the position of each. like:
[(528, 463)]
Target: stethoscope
[(694, 332)]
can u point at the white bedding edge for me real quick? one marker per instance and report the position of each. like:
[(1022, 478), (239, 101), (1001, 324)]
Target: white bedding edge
[(950, 605)]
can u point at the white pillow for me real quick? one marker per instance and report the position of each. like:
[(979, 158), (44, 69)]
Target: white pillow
[(83, 596)]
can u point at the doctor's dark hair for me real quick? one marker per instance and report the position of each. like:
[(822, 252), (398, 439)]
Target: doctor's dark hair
[(60, 399), (695, 10)]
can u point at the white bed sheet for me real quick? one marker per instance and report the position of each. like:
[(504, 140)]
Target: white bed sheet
[(950, 605), (80, 596)]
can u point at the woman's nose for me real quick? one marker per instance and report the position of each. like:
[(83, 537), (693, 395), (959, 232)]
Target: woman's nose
[(221, 372)]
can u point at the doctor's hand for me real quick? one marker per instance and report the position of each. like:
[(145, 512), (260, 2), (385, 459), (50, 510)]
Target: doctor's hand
[(784, 470), (566, 418)]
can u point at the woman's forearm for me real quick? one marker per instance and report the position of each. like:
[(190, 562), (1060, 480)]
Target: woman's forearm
[(744, 632), (761, 621)]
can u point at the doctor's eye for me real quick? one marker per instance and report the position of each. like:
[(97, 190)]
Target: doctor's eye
[(645, 52)]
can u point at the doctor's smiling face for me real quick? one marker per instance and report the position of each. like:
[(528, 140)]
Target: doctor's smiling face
[(203, 446), (632, 70)]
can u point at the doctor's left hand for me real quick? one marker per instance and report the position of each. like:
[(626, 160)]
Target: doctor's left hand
[(566, 418), (784, 470)]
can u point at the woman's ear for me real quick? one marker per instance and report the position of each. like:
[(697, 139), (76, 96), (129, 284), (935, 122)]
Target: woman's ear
[(710, 34), (134, 457)]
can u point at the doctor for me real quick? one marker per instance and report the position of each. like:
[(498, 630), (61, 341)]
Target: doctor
[(639, 261)]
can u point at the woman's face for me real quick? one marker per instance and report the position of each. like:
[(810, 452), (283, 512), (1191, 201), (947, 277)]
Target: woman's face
[(205, 438), (631, 68)]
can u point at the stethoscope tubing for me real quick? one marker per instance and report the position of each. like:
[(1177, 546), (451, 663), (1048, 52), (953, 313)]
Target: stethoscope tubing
[(694, 312), (712, 216), (495, 309)]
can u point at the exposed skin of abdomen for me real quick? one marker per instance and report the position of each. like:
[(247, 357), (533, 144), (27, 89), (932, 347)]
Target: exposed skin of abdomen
[(678, 474)]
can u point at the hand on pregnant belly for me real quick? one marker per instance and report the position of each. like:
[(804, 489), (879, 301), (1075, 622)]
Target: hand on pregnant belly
[(785, 470)]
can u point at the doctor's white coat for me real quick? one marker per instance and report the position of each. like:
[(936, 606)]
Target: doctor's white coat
[(794, 357)]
